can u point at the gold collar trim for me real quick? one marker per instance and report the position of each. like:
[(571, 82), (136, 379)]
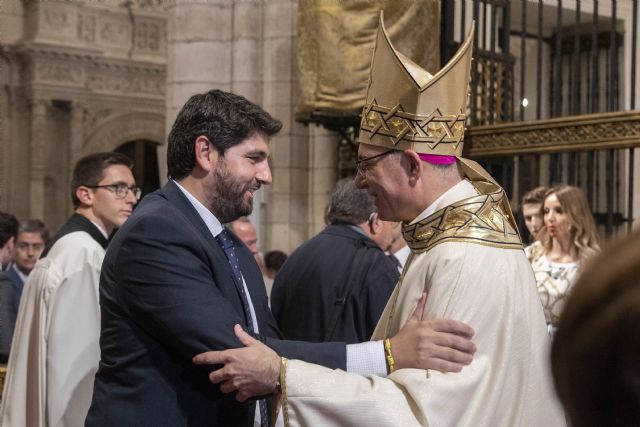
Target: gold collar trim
[(480, 219)]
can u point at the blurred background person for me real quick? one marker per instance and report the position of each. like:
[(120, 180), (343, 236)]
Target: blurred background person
[(245, 230), (31, 240), (335, 286), (596, 350), (273, 260), (398, 250), (567, 238), (8, 233), (29, 244), (531, 209)]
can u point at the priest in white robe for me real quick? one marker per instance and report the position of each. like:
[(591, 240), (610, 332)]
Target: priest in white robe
[(55, 349)]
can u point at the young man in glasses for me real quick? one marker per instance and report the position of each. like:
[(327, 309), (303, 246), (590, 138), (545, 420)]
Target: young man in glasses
[(55, 348)]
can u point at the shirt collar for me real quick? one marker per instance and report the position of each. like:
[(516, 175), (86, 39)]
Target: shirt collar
[(210, 220), (104, 233)]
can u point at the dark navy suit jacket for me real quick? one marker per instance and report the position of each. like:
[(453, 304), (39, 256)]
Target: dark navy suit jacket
[(18, 285), (167, 293), (7, 315)]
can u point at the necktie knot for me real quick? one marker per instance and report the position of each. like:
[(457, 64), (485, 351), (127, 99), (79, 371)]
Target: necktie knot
[(224, 240)]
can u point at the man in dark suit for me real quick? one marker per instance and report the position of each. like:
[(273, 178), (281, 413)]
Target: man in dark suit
[(8, 233), (30, 242), (335, 285), (175, 282)]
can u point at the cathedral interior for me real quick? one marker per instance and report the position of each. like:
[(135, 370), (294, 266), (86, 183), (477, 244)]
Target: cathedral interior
[(553, 92)]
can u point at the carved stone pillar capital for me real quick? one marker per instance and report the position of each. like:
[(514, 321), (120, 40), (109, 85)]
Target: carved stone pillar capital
[(38, 106)]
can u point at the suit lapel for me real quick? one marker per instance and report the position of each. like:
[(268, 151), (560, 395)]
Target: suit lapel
[(179, 200), (176, 197)]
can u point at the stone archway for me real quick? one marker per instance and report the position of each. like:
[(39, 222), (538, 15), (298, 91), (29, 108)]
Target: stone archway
[(119, 129), (124, 132)]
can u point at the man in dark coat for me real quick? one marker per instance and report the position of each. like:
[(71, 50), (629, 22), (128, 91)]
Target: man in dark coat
[(8, 233), (335, 286)]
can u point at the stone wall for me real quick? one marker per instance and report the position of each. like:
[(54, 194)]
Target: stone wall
[(89, 76), (80, 77), (249, 47)]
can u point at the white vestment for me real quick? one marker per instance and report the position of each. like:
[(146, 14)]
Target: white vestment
[(55, 350), (507, 384)]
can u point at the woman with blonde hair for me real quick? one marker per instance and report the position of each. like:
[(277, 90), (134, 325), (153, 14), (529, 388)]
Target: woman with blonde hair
[(567, 238)]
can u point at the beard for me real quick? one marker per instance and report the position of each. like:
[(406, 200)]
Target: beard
[(227, 199)]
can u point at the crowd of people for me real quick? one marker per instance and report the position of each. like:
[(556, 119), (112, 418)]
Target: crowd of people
[(418, 304)]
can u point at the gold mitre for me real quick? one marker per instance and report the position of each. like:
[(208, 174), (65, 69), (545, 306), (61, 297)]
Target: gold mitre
[(406, 107)]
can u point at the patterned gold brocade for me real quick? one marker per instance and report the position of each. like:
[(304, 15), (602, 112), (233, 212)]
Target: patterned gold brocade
[(3, 374), (335, 43), (398, 125), (409, 108), (481, 219)]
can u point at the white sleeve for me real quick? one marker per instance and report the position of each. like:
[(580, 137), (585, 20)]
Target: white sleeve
[(366, 358)]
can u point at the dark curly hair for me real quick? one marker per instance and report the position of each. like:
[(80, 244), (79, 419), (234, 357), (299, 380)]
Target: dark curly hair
[(224, 118), (8, 227)]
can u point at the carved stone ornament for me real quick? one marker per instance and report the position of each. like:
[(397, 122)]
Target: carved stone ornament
[(135, 4), (59, 72), (126, 84), (92, 116), (87, 27), (83, 69)]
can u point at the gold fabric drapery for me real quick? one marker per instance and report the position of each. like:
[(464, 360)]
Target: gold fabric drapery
[(335, 44)]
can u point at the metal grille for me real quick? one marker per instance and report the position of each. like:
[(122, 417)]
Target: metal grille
[(546, 59)]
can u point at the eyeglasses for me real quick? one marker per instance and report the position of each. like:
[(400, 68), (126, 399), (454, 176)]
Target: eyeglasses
[(120, 190), (34, 246), (364, 164)]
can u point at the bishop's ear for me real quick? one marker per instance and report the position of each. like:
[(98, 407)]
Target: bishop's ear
[(413, 164)]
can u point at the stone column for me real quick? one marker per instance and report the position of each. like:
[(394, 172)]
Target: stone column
[(76, 138), (286, 213), (246, 75), (323, 174), (76, 132), (37, 146), (198, 50), (246, 49)]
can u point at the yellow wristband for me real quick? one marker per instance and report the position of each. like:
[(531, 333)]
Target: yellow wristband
[(391, 363)]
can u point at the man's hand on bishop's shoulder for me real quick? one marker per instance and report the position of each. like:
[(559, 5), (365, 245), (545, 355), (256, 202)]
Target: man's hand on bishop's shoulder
[(440, 344), (251, 371)]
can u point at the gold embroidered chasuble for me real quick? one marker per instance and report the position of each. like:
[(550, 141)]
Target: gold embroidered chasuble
[(467, 255)]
